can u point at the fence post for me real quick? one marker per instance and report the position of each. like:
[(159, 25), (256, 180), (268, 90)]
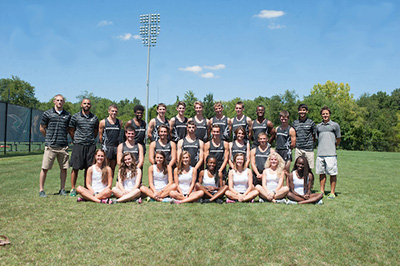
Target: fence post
[(30, 129), (5, 129)]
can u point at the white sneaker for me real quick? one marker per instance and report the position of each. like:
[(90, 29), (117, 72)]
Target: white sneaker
[(290, 202), (320, 202), (281, 201), (261, 200)]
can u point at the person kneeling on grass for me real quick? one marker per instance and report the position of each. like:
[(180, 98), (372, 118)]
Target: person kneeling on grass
[(98, 181), (211, 182), (300, 181), (160, 178), (272, 188), (240, 182), (185, 179), (129, 178)]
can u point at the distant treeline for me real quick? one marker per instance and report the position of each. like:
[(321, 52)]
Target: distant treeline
[(371, 122)]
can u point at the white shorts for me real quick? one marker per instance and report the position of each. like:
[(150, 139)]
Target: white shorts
[(326, 165)]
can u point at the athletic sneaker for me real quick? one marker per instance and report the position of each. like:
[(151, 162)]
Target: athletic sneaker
[(280, 201), (331, 196), (62, 192), (230, 201), (139, 200), (174, 201), (42, 194), (320, 202), (261, 200), (205, 201), (290, 202), (107, 201), (73, 192), (219, 201), (167, 199), (79, 199)]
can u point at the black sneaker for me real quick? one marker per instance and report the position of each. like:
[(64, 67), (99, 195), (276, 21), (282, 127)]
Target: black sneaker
[(42, 194), (219, 201), (62, 192)]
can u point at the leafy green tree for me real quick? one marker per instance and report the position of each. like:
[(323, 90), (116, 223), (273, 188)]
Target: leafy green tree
[(208, 102), (189, 98), (19, 92)]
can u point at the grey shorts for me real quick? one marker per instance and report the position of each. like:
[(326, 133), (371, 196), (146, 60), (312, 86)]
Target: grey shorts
[(326, 165)]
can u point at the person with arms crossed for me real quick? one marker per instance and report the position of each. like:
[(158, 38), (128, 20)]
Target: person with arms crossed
[(83, 129), (328, 133), (178, 123), (139, 125), (54, 127), (109, 135), (262, 125), (305, 135), (285, 140), (201, 122), (152, 131), (241, 121)]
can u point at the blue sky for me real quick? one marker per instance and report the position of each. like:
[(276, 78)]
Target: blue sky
[(236, 48)]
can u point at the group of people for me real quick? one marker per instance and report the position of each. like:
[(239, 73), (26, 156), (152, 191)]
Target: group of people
[(189, 157)]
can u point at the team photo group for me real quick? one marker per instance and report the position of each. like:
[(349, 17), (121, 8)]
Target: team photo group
[(194, 159)]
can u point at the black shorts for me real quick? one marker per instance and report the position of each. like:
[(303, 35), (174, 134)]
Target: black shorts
[(82, 156), (256, 181), (111, 152), (285, 154)]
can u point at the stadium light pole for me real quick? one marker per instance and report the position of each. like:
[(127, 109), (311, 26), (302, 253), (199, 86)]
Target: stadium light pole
[(149, 31)]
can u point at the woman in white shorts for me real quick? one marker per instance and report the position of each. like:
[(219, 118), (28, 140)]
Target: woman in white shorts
[(98, 181), (240, 182), (300, 180), (272, 188), (160, 178), (185, 179), (129, 179)]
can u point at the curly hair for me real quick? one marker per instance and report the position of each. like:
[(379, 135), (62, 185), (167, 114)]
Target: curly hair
[(124, 169)]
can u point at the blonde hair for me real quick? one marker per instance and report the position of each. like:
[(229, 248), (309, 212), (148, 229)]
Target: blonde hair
[(104, 178), (180, 161), (234, 160), (281, 162)]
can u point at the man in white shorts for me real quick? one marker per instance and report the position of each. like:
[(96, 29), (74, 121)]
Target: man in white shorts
[(328, 134)]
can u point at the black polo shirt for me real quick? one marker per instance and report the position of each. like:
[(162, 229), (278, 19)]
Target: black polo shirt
[(56, 125), (85, 127), (305, 130)]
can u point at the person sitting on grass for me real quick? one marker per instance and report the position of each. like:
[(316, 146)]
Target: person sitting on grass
[(240, 182), (185, 179), (272, 189), (98, 181), (129, 179), (300, 181), (160, 178), (211, 182)]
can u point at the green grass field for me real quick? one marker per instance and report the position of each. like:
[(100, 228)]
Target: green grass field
[(359, 227)]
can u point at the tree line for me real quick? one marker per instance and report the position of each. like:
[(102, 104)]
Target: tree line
[(371, 122)]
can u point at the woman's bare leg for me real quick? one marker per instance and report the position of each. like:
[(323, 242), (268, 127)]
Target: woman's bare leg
[(194, 196), (220, 193), (132, 195)]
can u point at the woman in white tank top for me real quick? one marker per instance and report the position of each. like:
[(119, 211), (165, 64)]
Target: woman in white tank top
[(185, 179), (300, 181), (211, 182), (240, 182), (272, 188), (98, 181), (129, 179), (160, 178)]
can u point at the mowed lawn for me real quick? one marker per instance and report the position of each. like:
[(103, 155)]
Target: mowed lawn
[(359, 227)]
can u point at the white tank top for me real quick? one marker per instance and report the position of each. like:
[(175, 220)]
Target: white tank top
[(160, 181), (130, 181), (298, 184), (240, 181), (185, 180), (272, 180), (97, 185), (208, 181)]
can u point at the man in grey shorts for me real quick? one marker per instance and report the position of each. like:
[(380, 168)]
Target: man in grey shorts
[(83, 128), (54, 127), (328, 133)]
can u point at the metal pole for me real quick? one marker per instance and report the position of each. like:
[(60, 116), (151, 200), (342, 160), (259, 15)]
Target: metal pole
[(5, 129), (148, 77)]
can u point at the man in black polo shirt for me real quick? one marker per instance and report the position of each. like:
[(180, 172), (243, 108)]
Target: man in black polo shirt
[(305, 135), (83, 129), (54, 127)]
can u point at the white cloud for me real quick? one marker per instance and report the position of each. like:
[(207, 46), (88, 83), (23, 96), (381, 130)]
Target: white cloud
[(128, 36), (208, 75), (104, 23), (270, 14), (274, 26), (192, 69), (216, 67)]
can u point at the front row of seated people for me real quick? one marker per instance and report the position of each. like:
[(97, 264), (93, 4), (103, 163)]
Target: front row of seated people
[(182, 187)]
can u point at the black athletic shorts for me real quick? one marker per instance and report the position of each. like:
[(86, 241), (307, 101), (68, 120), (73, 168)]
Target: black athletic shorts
[(111, 152), (285, 154), (256, 181), (82, 156)]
